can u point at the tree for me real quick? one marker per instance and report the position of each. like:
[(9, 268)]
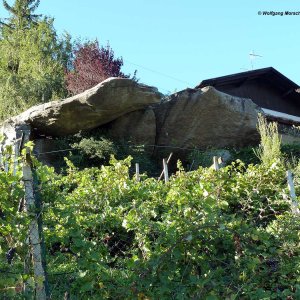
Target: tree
[(21, 13), (92, 64), (33, 59)]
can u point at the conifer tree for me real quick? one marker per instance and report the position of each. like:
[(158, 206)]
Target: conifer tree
[(33, 59), (21, 13)]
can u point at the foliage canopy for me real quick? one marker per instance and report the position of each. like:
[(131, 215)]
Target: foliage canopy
[(204, 235), (92, 64), (33, 59), (21, 13)]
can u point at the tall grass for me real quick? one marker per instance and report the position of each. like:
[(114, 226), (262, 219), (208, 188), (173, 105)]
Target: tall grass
[(270, 141)]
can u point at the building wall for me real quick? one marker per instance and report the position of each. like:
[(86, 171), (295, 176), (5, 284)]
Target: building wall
[(264, 95)]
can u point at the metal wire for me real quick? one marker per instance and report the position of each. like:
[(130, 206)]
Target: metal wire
[(133, 146)]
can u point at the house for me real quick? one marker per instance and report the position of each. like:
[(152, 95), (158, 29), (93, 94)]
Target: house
[(277, 95)]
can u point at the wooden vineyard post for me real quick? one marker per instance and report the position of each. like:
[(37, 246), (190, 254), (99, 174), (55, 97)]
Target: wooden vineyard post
[(1, 156), (166, 173), (216, 163), (18, 145), (34, 235), (6, 163), (291, 187), (137, 172), (162, 173)]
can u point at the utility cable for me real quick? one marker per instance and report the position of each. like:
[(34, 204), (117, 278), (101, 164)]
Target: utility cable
[(157, 72)]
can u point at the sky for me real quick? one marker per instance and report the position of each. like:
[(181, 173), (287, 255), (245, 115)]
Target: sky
[(175, 44)]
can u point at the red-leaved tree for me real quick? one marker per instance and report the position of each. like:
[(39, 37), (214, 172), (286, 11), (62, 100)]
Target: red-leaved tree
[(92, 64)]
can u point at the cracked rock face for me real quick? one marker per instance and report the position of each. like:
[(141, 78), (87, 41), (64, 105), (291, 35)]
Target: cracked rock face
[(130, 111), (205, 118), (138, 127), (97, 106)]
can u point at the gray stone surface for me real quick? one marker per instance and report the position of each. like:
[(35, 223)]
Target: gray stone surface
[(204, 118), (99, 105), (139, 127), (134, 112)]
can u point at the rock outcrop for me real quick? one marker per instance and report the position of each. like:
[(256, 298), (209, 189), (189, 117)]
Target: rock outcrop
[(139, 127), (99, 105), (192, 118), (206, 117)]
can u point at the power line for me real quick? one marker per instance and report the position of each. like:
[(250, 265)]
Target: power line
[(157, 72)]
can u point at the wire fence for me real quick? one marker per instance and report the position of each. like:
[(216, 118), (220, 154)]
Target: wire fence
[(149, 156), (28, 218), (24, 261)]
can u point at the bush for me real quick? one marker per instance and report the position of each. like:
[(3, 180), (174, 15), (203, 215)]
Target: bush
[(93, 151), (94, 148), (269, 148), (204, 235), (204, 158)]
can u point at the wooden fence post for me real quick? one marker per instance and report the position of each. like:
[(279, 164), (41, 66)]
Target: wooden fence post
[(294, 204), (6, 163), (1, 156), (216, 163), (137, 172), (166, 172), (162, 173), (18, 145), (35, 238)]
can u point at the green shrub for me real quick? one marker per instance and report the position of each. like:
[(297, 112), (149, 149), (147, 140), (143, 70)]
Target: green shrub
[(199, 158), (204, 235), (269, 149), (94, 148), (93, 151), (204, 158)]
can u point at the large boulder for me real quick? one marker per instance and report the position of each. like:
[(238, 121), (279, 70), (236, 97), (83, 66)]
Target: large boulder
[(99, 105), (189, 119), (138, 127), (196, 118)]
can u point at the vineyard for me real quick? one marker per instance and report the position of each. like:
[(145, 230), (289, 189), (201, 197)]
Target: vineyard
[(205, 234), (111, 214)]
